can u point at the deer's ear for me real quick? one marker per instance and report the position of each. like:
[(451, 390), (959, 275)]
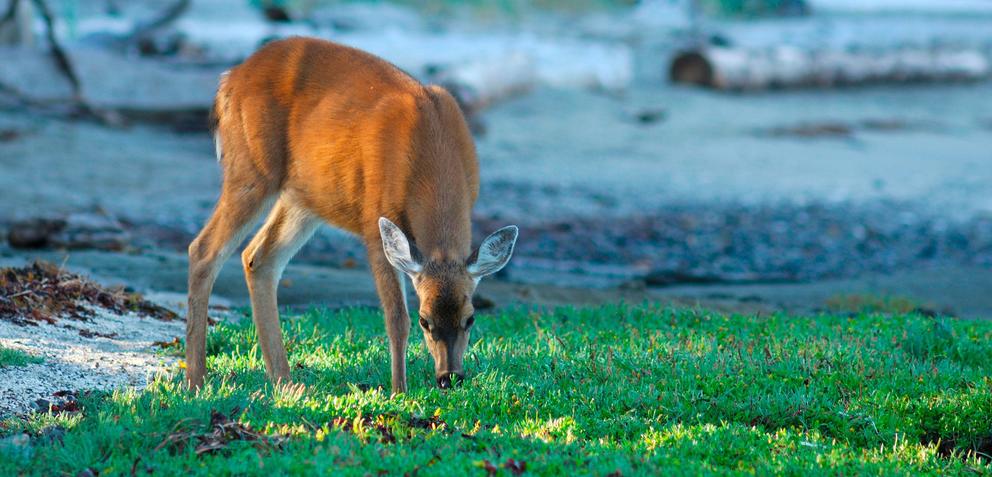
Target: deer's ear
[(494, 253), (397, 248)]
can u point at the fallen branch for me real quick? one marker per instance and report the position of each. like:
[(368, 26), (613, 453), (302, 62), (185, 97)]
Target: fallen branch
[(61, 58), (78, 106), (169, 15)]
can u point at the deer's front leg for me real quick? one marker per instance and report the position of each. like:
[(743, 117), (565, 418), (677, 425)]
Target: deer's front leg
[(390, 286)]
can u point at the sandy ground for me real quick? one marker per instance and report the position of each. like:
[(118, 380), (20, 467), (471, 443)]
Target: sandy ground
[(707, 148), (123, 357)]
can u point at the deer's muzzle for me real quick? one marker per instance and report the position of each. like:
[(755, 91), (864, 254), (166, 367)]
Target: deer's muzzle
[(446, 380)]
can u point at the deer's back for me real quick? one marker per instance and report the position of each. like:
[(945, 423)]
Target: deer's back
[(345, 132)]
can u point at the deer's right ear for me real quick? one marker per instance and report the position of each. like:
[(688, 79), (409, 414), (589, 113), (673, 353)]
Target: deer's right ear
[(397, 248)]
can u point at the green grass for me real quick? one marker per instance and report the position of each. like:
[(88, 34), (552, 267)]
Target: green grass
[(639, 390), (13, 357)]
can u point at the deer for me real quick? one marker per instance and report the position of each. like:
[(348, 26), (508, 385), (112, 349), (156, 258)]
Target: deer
[(316, 132)]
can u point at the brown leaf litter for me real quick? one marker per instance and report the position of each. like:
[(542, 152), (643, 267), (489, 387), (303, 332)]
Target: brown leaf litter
[(225, 429), (44, 292), (381, 424), (174, 343), (516, 467), (61, 402), (218, 435)]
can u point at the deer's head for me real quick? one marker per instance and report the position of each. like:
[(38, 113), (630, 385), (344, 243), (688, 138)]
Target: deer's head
[(445, 289)]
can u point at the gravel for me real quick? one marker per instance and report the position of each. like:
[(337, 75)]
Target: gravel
[(696, 242), (78, 356), (734, 243)]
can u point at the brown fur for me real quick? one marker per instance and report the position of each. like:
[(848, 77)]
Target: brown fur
[(331, 134)]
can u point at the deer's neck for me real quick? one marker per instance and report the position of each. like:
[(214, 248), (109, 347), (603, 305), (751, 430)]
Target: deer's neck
[(441, 217)]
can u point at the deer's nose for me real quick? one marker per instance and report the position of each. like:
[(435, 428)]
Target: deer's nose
[(444, 381)]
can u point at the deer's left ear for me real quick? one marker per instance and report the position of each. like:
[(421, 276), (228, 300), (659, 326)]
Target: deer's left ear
[(494, 253)]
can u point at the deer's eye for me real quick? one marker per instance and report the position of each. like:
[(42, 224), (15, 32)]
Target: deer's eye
[(469, 322), (424, 324)]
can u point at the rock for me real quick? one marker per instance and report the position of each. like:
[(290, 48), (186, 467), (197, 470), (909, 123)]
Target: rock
[(8, 135), (52, 435), (33, 233), (680, 244), (75, 231), (650, 115), (41, 405), (17, 445)]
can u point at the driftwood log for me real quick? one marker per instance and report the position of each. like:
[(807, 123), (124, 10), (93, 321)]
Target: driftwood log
[(478, 85), (740, 69)]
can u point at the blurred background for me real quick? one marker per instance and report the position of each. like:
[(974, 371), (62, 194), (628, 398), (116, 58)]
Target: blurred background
[(737, 154)]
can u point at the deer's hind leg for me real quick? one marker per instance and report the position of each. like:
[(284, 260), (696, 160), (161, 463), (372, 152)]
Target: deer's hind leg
[(247, 192), (287, 228), (238, 209)]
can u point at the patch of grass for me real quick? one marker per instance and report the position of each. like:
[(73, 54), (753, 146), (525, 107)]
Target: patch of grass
[(635, 390), (874, 303), (13, 357)]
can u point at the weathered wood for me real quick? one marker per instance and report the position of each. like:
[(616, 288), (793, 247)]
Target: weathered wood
[(730, 68), (478, 85)]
